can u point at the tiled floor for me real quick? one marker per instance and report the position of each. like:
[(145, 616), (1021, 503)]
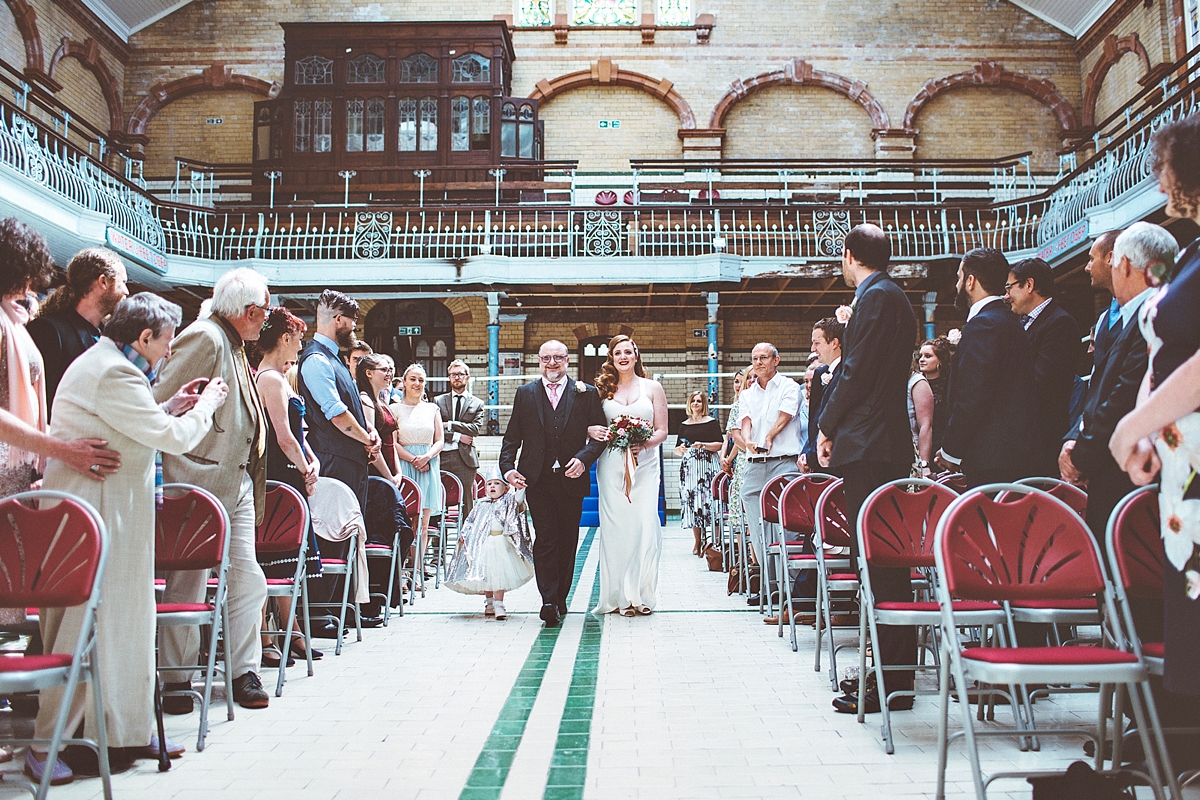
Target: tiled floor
[(700, 700)]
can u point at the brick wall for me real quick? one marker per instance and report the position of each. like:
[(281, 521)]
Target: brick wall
[(12, 46), (81, 92), (988, 122), (1120, 84), (648, 127), (798, 122), (181, 129)]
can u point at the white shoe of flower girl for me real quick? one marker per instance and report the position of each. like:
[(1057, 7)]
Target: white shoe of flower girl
[(499, 610)]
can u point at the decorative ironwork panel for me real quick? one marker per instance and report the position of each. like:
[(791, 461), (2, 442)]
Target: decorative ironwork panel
[(602, 232), (314, 70), (605, 12), (371, 234), (831, 228), (533, 12), (419, 68), (674, 12), (365, 69)]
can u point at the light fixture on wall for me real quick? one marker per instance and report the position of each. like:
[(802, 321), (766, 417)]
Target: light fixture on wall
[(452, 52), (349, 49)]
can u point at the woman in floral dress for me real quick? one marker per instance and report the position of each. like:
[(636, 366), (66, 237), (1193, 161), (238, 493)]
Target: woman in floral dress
[(700, 440)]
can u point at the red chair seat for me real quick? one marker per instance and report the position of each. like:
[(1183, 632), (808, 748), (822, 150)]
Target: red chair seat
[(1049, 655), (333, 562), (279, 581), (181, 608), (34, 663), (1153, 649), (802, 557), (372, 546), (160, 581), (959, 605), (1081, 604), (916, 576), (844, 576)]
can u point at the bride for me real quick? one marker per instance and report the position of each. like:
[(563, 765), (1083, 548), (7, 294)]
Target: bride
[(630, 533)]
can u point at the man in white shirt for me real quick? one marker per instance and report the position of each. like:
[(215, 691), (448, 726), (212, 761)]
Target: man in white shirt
[(770, 426)]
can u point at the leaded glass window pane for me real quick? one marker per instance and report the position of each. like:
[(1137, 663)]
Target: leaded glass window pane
[(365, 69), (354, 126), (408, 124), (605, 12), (533, 12), (460, 115), (481, 123), (429, 124), (508, 130), (374, 126), (527, 132), (322, 125), (472, 68), (314, 70), (301, 126), (419, 68), (674, 12)]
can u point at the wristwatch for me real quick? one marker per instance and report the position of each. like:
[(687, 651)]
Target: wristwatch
[(923, 464)]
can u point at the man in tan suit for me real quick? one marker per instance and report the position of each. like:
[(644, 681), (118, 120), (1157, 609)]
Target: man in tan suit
[(229, 462), (463, 415)]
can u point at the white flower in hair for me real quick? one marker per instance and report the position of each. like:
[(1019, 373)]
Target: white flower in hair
[(843, 314), (954, 336)]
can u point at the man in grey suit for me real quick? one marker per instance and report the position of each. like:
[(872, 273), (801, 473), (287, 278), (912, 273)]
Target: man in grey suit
[(463, 417), (229, 462)]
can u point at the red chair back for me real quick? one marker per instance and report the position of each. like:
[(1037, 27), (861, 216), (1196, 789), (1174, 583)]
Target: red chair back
[(1138, 546), (50, 556), (452, 489), (410, 493), (954, 481), (480, 486), (715, 486), (1072, 495), (798, 503), (285, 520), (1031, 547), (723, 486), (899, 525), (770, 497), (831, 511), (189, 530)]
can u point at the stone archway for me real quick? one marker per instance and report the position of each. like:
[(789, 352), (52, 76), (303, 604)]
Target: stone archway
[(218, 77), (88, 54), (606, 73), (1111, 53), (799, 72), (427, 337), (991, 73), (26, 19)]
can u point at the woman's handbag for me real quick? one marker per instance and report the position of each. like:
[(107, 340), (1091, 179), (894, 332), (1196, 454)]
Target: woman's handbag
[(715, 559)]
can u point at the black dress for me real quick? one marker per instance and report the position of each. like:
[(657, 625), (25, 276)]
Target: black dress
[(280, 468)]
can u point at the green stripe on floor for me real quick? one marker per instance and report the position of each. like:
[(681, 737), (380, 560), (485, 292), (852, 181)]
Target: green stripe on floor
[(568, 766), (487, 777)]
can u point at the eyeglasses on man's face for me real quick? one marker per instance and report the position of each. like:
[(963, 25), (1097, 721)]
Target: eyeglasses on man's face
[(458, 374), (555, 359), (1008, 286)]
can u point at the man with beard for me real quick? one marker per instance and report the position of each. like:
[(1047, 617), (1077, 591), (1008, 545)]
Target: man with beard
[(992, 395), (69, 323), (337, 430)]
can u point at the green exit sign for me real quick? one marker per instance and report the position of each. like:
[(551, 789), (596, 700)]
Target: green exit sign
[(610, 124), (409, 330)]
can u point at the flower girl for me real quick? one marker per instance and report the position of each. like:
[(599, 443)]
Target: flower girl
[(495, 552)]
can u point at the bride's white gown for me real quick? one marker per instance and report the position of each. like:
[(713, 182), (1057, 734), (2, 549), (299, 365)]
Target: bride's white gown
[(630, 534)]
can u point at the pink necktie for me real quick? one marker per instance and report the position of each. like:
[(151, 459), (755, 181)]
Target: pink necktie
[(553, 387)]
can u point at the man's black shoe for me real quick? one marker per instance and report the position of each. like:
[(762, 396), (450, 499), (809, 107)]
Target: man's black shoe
[(753, 600), (248, 691), (850, 685), (370, 622), (848, 704), (549, 615), (84, 762), (181, 704)]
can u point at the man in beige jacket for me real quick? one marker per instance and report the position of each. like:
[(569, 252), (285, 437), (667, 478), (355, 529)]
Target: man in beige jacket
[(230, 463)]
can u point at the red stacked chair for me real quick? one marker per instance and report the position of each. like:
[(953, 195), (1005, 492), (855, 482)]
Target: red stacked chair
[(769, 508), (284, 529)]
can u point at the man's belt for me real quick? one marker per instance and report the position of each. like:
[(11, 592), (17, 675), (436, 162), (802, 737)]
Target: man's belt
[(756, 459)]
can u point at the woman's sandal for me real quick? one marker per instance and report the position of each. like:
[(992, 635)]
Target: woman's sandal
[(296, 650), (645, 611), (271, 657), (628, 612)]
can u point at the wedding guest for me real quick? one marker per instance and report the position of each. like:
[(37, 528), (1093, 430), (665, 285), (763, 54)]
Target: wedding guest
[(373, 376), (69, 321), (106, 394), (463, 419), (357, 350), (699, 440), (231, 463), (419, 439), (827, 337), (289, 458), (920, 418), (933, 360)]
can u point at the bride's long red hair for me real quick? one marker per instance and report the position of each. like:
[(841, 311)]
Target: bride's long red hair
[(607, 378)]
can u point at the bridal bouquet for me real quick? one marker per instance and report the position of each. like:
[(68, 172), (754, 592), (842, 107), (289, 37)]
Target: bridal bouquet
[(624, 433)]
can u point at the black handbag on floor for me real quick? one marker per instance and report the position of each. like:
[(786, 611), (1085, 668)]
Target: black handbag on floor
[(1081, 782)]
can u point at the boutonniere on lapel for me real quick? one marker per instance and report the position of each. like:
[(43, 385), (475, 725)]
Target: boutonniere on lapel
[(954, 336), (844, 313), (826, 377), (581, 387)]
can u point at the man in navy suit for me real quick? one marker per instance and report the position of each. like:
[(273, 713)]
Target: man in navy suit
[(1054, 336), (863, 427), (992, 392), (827, 336)]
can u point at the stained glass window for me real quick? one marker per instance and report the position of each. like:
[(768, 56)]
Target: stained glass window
[(419, 68), (460, 115), (301, 126), (533, 12), (375, 125), (429, 123), (605, 12), (314, 70), (322, 125), (354, 126), (364, 119), (365, 69), (1191, 22), (674, 12), (472, 68)]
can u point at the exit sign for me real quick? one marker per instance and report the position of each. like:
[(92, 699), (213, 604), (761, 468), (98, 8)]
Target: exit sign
[(410, 330), (699, 333), (214, 121), (610, 124)]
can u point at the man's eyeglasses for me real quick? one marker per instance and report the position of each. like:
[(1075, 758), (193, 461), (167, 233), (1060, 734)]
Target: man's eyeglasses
[(1008, 286), (553, 359), (265, 307), (458, 375)]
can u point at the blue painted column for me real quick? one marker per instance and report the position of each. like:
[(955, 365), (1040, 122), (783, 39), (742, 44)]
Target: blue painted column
[(714, 326), (493, 414), (930, 312)]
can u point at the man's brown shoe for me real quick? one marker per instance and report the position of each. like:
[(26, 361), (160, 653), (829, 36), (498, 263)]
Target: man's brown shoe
[(775, 619), (248, 692)]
